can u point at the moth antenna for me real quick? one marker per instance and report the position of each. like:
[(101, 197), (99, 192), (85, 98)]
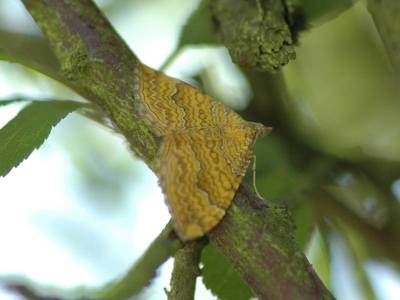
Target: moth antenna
[(254, 178)]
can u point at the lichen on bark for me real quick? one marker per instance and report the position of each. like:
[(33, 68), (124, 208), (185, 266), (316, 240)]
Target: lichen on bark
[(259, 242), (252, 236), (255, 32), (93, 57)]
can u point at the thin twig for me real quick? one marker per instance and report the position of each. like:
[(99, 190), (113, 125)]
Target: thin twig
[(144, 270), (170, 59), (28, 292), (186, 270), (258, 241)]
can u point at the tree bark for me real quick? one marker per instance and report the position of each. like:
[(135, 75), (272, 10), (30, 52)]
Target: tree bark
[(186, 270), (257, 240)]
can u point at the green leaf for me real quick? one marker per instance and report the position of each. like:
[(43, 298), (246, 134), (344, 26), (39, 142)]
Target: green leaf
[(319, 255), (31, 51), (5, 102), (359, 255), (11, 101), (304, 217), (198, 28), (28, 130), (220, 278), (318, 12)]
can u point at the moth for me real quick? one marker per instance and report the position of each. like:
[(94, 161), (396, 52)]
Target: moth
[(205, 149)]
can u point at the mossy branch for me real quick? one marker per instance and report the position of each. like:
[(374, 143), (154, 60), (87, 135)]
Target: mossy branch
[(256, 239), (256, 33), (186, 270), (140, 275), (132, 283), (95, 58)]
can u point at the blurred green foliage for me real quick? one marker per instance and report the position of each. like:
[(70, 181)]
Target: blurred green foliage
[(333, 156), (334, 153)]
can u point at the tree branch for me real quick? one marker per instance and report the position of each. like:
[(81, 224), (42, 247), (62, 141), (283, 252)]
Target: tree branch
[(186, 270), (95, 58), (39, 57), (28, 292), (139, 276), (270, 103), (256, 239), (255, 32)]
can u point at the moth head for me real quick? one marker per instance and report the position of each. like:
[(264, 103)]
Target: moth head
[(260, 130)]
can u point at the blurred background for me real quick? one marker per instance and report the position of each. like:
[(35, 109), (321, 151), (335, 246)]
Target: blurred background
[(82, 208)]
